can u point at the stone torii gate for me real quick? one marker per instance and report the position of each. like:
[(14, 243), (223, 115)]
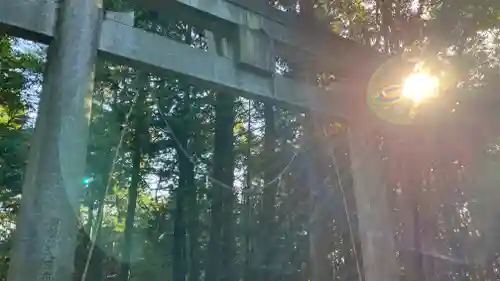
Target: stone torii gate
[(241, 61)]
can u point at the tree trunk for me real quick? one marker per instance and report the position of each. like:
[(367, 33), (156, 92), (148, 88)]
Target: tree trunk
[(221, 247), (192, 219), (186, 211), (182, 206), (129, 221), (247, 219), (190, 260), (140, 130), (179, 238), (269, 194), (46, 234)]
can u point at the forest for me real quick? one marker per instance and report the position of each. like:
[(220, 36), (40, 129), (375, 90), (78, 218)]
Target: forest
[(186, 183)]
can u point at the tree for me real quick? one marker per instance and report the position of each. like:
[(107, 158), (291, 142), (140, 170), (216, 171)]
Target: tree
[(19, 71)]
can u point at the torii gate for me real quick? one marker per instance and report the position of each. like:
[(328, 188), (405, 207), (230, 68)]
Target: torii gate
[(243, 64)]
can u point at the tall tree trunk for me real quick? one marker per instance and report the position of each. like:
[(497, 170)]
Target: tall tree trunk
[(179, 238), (221, 247), (186, 204), (140, 130), (186, 211), (190, 193), (269, 194), (385, 22), (192, 220), (227, 175), (248, 271), (214, 244)]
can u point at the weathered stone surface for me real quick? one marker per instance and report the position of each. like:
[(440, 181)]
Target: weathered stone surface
[(375, 228), (327, 50), (127, 18), (256, 51), (31, 19), (263, 8), (219, 46), (46, 228)]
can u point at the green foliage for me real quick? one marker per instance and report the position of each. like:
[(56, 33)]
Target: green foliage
[(19, 71)]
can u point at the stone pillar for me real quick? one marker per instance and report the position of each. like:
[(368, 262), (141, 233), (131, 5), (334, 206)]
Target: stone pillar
[(373, 210), (46, 233)]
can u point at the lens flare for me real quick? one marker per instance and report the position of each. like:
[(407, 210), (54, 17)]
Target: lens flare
[(398, 90), (419, 87)]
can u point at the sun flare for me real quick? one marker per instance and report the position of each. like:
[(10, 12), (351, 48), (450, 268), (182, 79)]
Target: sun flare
[(419, 87)]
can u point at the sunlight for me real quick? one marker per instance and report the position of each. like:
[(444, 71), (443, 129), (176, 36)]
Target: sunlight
[(420, 86)]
